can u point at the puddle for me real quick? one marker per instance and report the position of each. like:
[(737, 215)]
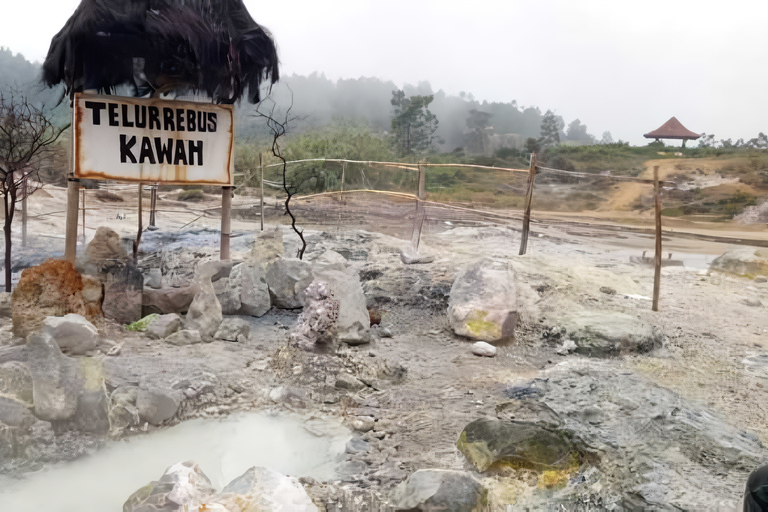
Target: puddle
[(223, 449)]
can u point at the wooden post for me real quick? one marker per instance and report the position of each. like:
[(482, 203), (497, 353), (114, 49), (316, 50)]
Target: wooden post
[(657, 256), (83, 209), (528, 201), (343, 171), (226, 209), (418, 219), (70, 241), (152, 205), (261, 204), (24, 212), (138, 234)]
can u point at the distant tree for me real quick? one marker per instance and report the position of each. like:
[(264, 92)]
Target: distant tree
[(478, 138), (707, 141), (413, 125), (550, 130), (27, 138), (578, 132), (759, 142), (607, 138), (532, 145)]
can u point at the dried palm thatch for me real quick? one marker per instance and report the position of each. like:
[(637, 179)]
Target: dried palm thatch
[(212, 47)]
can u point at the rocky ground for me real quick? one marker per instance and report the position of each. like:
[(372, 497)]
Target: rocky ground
[(664, 409)]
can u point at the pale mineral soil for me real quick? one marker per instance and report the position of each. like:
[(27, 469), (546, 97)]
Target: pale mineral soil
[(424, 383)]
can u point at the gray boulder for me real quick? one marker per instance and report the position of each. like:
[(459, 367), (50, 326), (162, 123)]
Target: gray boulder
[(264, 489), (245, 292), (353, 321), (287, 278), (73, 333), (169, 300), (183, 486), (157, 405), (483, 302), (439, 489), (233, 329), (66, 390), (606, 333), (16, 381), (163, 326), (204, 313), (747, 261)]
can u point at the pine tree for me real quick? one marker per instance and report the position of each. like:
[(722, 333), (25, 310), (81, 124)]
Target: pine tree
[(550, 130), (413, 125)]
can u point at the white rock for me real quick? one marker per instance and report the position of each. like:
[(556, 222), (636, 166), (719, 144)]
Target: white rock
[(204, 313), (568, 346), (482, 348), (163, 326), (264, 489), (483, 303), (72, 333), (287, 278)]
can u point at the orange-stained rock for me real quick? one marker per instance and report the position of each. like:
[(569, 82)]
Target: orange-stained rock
[(53, 288)]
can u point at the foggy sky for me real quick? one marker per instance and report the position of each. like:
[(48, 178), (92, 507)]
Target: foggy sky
[(624, 67)]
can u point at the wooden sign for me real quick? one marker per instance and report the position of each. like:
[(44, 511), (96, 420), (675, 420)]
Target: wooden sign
[(153, 140)]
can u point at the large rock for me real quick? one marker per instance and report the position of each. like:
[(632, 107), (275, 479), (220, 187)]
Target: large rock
[(245, 292), (105, 248), (488, 442), (264, 489), (204, 313), (123, 288), (606, 333), (439, 489), (233, 329), (72, 333), (64, 389), (482, 305), (746, 261), (183, 486), (169, 300), (157, 405), (163, 326), (287, 278), (53, 288), (16, 381), (353, 321)]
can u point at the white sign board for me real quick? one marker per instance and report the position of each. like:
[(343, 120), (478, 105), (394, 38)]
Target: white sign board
[(153, 140)]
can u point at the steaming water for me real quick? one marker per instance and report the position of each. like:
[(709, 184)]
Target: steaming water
[(223, 449)]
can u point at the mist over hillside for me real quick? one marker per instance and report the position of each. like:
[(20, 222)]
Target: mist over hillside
[(477, 127)]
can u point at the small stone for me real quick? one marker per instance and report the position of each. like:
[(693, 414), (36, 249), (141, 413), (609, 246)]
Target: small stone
[(753, 303), (385, 333), (184, 337), (761, 279), (73, 333), (348, 382), (482, 348), (568, 346), (608, 290), (357, 445), (362, 423), (413, 259), (163, 326)]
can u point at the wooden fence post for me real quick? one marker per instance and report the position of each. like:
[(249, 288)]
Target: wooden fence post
[(140, 226), (70, 240), (152, 205), (418, 219), (261, 204), (657, 257), (83, 210), (24, 190), (226, 225), (528, 201), (343, 172)]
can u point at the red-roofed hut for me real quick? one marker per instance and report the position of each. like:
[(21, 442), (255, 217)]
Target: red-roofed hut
[(672, 129)]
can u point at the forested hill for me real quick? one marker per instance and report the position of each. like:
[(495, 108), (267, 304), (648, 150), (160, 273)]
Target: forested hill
[(478, 127)]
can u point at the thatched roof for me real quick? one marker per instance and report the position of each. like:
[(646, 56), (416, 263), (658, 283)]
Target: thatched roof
[(205, 46), (672, 129)]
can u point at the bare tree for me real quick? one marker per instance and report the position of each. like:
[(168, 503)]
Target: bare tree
[(27, 137), (278, 130)]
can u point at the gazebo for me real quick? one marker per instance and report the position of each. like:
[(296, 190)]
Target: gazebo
[(672, 129)]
